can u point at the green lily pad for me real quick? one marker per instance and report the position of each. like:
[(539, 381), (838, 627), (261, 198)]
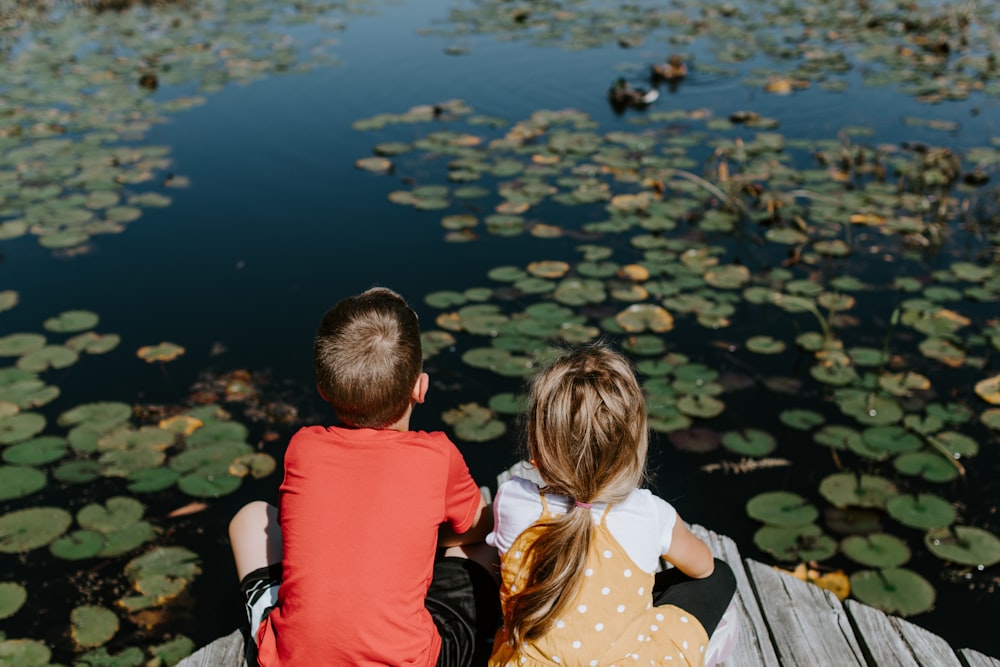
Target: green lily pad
[(152, 480), (700, 405), (218, 432), (966, 545), (100, 657), (50, 356), (173, 651), (117, 512), (923, 511), (127, 538), (641, 317), (800, 543), (12, 597), (896, 591), (959, 445), (802, 420), (71, 321), (991, 418), (765, 345), (78, 472), (869, 408), (208, 485), (24, 653), (749, 442), (929, 465), (101, 415), (836, 436), (508, 403), (893, 439), (92, 626), (93, 343), (876, 550), (37, 451), (78, 545), (16, 345), (645, 345), (474, 423), (20, 481), (27, 529), (781, 508), (21, 426), (859, 490)]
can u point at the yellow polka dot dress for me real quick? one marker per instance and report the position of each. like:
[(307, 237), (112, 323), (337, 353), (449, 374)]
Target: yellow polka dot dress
[(610, 623)]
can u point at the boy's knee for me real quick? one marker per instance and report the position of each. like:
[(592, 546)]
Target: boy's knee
[(253, 515)]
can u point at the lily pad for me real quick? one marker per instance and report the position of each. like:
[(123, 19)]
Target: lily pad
[(802, 420), (20, 481), (117, 512), (749, 442), (923, 511), (92, 626), (966, 545), (37, 451), (929, 465), (781, 508), (12, 597), (876, 550), (16, 345), (78, 545), (21, 426), (858, 490), (27, 529), (72, 321), (805, 542), (896, 591)]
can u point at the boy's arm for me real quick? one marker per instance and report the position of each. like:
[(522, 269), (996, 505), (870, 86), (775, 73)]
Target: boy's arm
[(482, 524), (688, 553)]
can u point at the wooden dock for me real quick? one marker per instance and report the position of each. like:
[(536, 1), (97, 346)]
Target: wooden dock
[(783, 622)]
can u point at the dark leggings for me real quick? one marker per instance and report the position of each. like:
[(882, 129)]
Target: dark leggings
[(705, 599)]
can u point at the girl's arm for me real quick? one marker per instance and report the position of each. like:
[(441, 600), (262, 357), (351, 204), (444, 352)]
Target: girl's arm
[(688, 553)]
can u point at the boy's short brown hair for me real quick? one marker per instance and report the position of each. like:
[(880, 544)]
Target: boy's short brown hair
[(368, 358)]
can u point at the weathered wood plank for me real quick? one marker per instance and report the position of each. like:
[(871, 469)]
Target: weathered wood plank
[(808, 625), (972, 658), (223, 652), (753, 644), (894, 642)]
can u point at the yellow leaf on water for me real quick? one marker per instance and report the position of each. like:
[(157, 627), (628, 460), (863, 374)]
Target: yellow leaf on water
[(989, 390), (837, 582)]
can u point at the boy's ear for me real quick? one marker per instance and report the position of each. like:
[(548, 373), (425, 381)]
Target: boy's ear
[(420, 388), (320, 392)]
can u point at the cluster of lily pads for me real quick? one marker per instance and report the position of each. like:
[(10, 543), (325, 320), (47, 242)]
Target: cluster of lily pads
[(80, 90), (932, 51), (727, 229)]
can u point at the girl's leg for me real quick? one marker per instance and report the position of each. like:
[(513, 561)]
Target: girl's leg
[(255, 537), (706, 599)]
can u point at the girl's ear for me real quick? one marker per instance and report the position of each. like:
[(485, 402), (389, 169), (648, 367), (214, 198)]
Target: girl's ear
[(420, 388)]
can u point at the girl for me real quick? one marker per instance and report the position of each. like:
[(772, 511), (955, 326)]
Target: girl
[(578, 555)]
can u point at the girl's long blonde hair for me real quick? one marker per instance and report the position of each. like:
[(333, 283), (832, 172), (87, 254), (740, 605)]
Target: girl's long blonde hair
[(588, 437)]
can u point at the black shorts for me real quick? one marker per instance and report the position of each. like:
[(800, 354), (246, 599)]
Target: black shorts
[(463, 599)]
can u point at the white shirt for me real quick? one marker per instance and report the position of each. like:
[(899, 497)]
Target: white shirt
[(643, 523)]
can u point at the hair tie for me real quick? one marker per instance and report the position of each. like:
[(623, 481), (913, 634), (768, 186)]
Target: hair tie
[(585, 506)]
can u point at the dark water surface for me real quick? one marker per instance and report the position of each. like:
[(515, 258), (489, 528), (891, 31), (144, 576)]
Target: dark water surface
[(278, 224)]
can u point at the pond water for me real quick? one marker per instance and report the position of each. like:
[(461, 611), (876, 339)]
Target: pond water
[(275, 222)]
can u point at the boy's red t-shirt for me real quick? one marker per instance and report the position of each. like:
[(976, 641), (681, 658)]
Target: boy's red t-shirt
[(359, 513)]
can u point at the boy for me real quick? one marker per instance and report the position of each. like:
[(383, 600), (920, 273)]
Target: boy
[(364, 508)]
